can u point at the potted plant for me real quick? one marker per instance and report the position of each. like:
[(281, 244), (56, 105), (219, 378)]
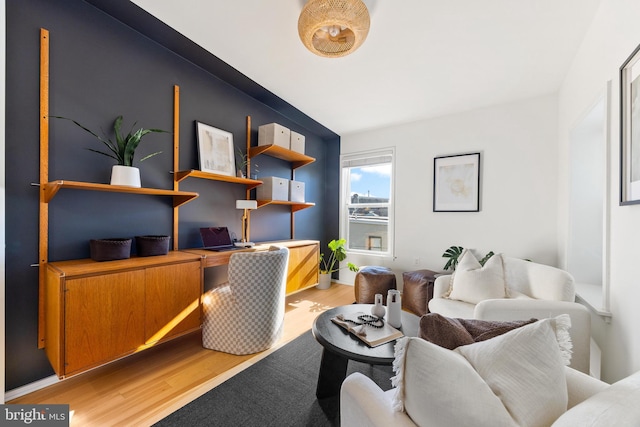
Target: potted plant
[(454, 252), (242, 161), (122, 150), (328, 265)]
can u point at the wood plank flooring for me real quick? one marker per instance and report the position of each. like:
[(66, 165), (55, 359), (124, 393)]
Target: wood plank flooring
[(144, 388)]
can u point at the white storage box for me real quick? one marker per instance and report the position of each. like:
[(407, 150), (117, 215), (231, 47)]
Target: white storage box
[(296, 191), (274, 134), (297, 142), (273, 188)]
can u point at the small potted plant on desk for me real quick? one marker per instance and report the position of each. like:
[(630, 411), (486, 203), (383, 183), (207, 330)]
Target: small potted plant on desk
[(122, 150), (328, 265)]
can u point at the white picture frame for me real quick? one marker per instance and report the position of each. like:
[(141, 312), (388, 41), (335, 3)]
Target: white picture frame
[(456, 183), (215, 150)]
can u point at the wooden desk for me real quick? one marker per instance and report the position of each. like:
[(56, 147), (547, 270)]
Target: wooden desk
[(304, 258)]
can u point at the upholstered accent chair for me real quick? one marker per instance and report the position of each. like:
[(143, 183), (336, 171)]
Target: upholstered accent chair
[(246, 315)]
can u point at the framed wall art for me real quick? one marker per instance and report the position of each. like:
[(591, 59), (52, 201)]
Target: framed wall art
[(456, 183), (215, 150), (630, 129)]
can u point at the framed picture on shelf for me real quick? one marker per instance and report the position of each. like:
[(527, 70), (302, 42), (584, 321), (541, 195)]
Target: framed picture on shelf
[(456, 183), (630, 129), (215, 150)]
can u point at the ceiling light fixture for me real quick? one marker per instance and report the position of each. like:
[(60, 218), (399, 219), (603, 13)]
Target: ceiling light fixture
[(333, 28)]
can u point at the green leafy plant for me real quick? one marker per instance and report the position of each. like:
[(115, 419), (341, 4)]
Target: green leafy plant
[(454, 252), (338, 254), (124, 147)]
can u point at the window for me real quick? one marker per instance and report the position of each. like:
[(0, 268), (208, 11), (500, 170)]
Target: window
[(367, 201)]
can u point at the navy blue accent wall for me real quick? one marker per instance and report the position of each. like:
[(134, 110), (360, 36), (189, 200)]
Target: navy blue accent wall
[(109, 59)]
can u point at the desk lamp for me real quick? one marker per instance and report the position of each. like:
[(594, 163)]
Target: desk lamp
[(245, 205)]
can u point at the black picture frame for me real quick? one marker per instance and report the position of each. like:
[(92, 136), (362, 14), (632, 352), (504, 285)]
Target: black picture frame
[(456, 183)]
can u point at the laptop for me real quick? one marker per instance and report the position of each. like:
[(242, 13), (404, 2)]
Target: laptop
[(217, 239)]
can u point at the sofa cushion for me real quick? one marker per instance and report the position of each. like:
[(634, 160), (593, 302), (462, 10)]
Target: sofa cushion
[(513, 379), (472, 282), (617, 405), (452, 332), (526, 369)]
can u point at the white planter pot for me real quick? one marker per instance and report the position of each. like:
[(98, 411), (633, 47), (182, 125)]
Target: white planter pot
[(127, 176), (324, 281)]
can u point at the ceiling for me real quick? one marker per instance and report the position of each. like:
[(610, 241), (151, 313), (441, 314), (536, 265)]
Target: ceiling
[(421, 59)]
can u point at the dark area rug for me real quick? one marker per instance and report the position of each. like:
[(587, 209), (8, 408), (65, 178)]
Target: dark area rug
[(277, 391)]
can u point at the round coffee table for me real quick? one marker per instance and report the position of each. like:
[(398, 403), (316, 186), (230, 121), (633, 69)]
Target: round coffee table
[(340, 346)]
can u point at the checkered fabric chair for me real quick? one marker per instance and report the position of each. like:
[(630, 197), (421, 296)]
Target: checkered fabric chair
[(247, 315)]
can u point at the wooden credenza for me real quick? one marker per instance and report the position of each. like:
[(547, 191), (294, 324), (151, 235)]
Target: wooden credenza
[(97, 312)]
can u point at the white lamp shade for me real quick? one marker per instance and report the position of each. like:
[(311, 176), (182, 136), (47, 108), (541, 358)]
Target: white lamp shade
[(246, 204)]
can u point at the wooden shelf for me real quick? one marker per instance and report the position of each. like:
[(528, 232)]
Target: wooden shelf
[(295, 206), (179, 197), (297, 159), (250, 183)]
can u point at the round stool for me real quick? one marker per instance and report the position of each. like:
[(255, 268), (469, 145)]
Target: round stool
[(373, 280)]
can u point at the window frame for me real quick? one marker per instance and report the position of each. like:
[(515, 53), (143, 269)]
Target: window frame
[(367, 158)]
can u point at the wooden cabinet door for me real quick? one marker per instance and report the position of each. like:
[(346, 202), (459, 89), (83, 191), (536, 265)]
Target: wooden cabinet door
[(172, 300), (303, 267), (104, 318)]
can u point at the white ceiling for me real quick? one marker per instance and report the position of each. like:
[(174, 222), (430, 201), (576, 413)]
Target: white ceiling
[(422, 58)]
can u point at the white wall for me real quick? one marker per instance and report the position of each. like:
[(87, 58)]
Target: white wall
[(518, 206), (613, 35)]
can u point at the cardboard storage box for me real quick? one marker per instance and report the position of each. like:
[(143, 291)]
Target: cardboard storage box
[(297, 142), (296, 191), (273, 188), (274, 134)]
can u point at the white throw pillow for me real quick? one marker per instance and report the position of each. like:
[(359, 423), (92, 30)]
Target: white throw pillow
[(472, 282), (515, 379), (438, 387), (525, 368)]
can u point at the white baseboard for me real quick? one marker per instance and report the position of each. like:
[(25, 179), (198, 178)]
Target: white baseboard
[(29, 388)]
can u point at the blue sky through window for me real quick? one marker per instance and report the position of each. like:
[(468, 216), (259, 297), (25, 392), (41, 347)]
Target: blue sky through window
[(373, 181)]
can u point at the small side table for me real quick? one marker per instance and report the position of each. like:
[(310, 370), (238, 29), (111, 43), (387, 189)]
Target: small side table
[(417, 290)]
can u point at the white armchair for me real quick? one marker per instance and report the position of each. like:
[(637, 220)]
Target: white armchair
[(534, 291), (246, 315)]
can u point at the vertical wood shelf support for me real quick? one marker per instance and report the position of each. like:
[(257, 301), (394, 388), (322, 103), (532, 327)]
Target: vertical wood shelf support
[(176, 160), (43, 217), (248, 191)]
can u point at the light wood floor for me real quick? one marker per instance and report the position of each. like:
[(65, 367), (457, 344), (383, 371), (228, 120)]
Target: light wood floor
[(143, 388)]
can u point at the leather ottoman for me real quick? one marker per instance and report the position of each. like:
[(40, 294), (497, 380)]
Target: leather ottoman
[(417, 290), (373, 280)]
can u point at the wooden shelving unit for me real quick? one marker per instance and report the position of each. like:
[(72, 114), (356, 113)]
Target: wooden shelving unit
[(295, 206), (296, 159), (250, 183), (52, 188)]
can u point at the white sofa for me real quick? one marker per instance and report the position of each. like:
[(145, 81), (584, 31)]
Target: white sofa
[(534, 291), (591, 403)]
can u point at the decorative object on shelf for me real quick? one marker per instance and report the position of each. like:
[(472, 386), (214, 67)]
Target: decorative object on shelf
[(152, 245), (296, 191), (333, 28), (456, 183), (122, 150), (242, 160), (630, 129), (245, 205), (215, 150), (394, 308), (110, 249), (297, 142), (454, 252), (328, 266), (273, 188), (378, 309)]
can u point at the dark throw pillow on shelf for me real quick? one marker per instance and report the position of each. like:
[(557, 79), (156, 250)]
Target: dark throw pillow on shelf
[(451, 333)]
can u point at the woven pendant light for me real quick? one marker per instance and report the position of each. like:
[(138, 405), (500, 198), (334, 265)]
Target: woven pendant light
[(333, 28)]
